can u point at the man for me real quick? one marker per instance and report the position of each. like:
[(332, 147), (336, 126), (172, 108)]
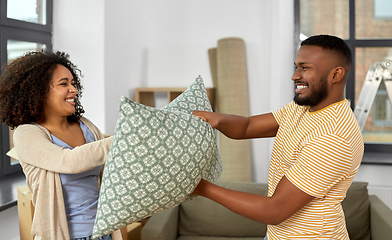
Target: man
[(317, 150)]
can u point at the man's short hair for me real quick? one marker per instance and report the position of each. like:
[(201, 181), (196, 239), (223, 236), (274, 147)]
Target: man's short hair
[(333, 44)]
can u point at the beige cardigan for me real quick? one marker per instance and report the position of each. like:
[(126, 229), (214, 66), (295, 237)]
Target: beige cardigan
[(42, 161)]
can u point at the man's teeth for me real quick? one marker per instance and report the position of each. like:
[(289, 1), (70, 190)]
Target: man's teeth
[(301, 86)]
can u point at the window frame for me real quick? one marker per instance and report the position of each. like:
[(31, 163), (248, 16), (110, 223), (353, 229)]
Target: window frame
[(353, 43), (12, 29)]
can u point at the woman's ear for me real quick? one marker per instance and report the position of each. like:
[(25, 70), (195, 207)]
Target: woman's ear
[(338, 74)]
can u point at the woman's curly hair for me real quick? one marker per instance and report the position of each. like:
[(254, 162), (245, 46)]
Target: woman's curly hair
[(25, 84)]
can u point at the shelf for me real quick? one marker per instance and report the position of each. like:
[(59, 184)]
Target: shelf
[(146, 96)]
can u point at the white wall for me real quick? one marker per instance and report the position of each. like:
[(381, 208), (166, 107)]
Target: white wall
[(123, 44), (180, 35), (126, 42), (120, 45), (375, 175), (78, 29)]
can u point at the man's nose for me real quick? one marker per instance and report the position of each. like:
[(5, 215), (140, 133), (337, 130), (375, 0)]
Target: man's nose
[(296, 76)]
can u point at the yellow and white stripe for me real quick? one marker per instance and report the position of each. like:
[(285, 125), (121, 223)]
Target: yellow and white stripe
[(319, 152)]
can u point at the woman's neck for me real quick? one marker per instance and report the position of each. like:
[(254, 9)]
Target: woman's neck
[(55, 124)]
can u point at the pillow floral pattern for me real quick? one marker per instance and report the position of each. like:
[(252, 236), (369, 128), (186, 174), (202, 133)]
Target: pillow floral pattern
[(156, 159)]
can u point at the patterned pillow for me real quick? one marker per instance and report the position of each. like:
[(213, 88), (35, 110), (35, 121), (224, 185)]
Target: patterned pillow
[(156, 159)]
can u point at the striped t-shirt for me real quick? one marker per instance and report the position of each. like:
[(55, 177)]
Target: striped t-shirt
[(319, 152)]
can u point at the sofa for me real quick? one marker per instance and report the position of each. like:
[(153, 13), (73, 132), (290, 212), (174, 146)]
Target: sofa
[(367, 217)]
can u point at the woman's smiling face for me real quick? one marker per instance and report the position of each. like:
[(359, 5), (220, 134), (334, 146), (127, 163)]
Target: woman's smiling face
[(61, 96)]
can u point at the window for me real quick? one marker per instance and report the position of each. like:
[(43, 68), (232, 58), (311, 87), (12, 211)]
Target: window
[(382, 115), (22, 29), (366, 27), (33, 11), (383, 9)]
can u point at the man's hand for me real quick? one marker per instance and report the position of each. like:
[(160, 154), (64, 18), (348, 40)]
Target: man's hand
[(210, 117), (199, 188)]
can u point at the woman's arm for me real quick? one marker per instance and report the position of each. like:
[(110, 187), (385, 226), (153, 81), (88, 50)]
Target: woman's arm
[(33, 146)]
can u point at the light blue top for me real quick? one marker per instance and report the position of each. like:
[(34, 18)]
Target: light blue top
[(80, 193)]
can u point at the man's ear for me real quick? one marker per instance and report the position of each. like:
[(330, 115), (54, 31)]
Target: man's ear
[(338, 74)]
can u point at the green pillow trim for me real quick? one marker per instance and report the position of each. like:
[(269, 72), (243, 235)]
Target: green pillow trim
[(156, 159)]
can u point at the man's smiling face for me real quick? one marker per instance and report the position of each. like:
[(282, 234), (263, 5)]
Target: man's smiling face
[(311, 76)]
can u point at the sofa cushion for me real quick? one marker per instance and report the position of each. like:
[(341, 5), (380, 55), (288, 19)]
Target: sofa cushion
[(356, 209), (156, 159), (207, 218)]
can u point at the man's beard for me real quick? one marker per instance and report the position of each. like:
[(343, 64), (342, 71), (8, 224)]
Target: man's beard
[(318, 94)]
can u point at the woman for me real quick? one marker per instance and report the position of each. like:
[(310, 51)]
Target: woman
[(61, 152)]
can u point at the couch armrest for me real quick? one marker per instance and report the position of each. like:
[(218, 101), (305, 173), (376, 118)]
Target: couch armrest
[(380, 219), (162, 226)]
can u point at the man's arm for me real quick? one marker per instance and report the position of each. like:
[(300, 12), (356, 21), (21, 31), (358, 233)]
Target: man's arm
[(239, 127), (287, 200)]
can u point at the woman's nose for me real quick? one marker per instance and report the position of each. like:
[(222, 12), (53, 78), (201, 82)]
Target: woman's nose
[(73, 89)]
